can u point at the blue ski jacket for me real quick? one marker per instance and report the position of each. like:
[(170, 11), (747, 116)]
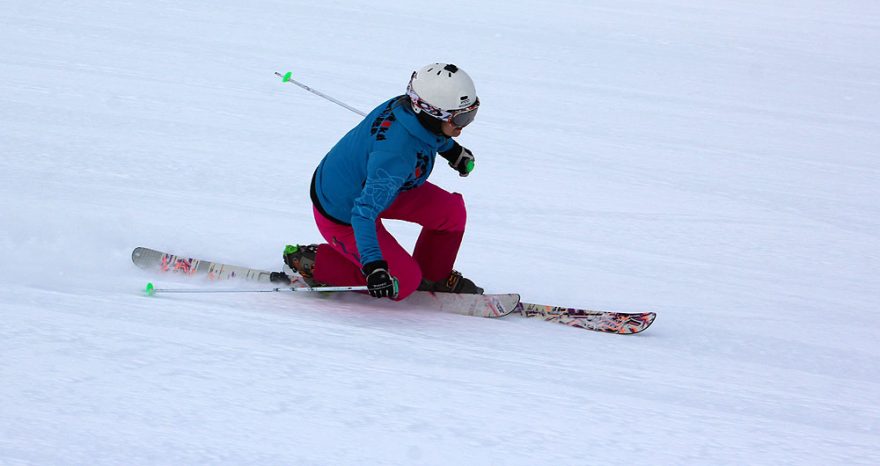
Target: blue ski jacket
[(386, 153)]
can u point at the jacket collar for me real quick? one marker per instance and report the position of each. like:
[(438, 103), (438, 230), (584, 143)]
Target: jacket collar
[(408, 119)]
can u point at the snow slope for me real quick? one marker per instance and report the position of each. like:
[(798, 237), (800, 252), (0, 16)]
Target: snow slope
[(715, 162)]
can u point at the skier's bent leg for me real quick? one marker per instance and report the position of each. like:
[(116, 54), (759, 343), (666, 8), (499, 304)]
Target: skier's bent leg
[(338, 262), (443, 217)]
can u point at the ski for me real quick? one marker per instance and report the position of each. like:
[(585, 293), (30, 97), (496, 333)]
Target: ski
[(622, 323), (485, 305)]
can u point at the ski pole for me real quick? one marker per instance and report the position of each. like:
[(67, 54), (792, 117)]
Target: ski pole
[(150, 290), (285, 78)]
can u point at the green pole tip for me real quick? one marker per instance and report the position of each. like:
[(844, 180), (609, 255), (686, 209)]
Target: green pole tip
[(287, 76), (150, 290)]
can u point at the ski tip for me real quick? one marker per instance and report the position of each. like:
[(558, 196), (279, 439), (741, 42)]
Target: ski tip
[(150, 290), (646, 319)]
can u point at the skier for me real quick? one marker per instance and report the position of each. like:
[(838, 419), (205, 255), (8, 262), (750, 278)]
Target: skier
[(379, 170)]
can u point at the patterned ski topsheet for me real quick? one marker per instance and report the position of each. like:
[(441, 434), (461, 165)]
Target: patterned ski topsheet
[(601, 321), (486, 305), (151, 259)]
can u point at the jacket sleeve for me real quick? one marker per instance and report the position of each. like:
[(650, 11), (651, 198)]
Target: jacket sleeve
[(447, 146), (386, 173)]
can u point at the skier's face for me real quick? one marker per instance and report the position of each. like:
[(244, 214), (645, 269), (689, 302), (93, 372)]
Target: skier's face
[(450, 129)]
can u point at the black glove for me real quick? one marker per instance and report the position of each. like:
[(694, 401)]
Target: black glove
[(381, 284), (461, 159)]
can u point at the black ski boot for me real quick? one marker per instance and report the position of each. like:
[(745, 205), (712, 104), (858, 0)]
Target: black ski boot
[(455, 283), (301, 260), (280, 277)]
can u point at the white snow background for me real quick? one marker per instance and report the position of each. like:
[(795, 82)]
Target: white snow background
[(715, 162)]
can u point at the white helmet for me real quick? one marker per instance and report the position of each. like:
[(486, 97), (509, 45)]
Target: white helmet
[(444, 91)]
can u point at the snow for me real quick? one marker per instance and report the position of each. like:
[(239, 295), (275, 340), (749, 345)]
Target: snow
[(715, 162)]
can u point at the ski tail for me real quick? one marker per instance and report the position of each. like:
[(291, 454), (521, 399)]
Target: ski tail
[(151, 259)]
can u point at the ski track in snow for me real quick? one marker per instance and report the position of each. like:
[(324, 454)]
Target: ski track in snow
[(713, 163)]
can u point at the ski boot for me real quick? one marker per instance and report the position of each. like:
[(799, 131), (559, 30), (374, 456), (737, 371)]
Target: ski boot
[(300, 260), (455, 283), (280, 278)]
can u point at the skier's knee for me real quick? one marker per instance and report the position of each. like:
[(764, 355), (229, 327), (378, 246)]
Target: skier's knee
[(456, 214)]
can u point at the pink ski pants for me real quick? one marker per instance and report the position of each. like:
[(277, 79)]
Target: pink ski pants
[(442, 216)]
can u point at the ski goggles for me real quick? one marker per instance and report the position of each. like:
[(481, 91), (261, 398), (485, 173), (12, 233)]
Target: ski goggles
[(465, 116), (460, 117)]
